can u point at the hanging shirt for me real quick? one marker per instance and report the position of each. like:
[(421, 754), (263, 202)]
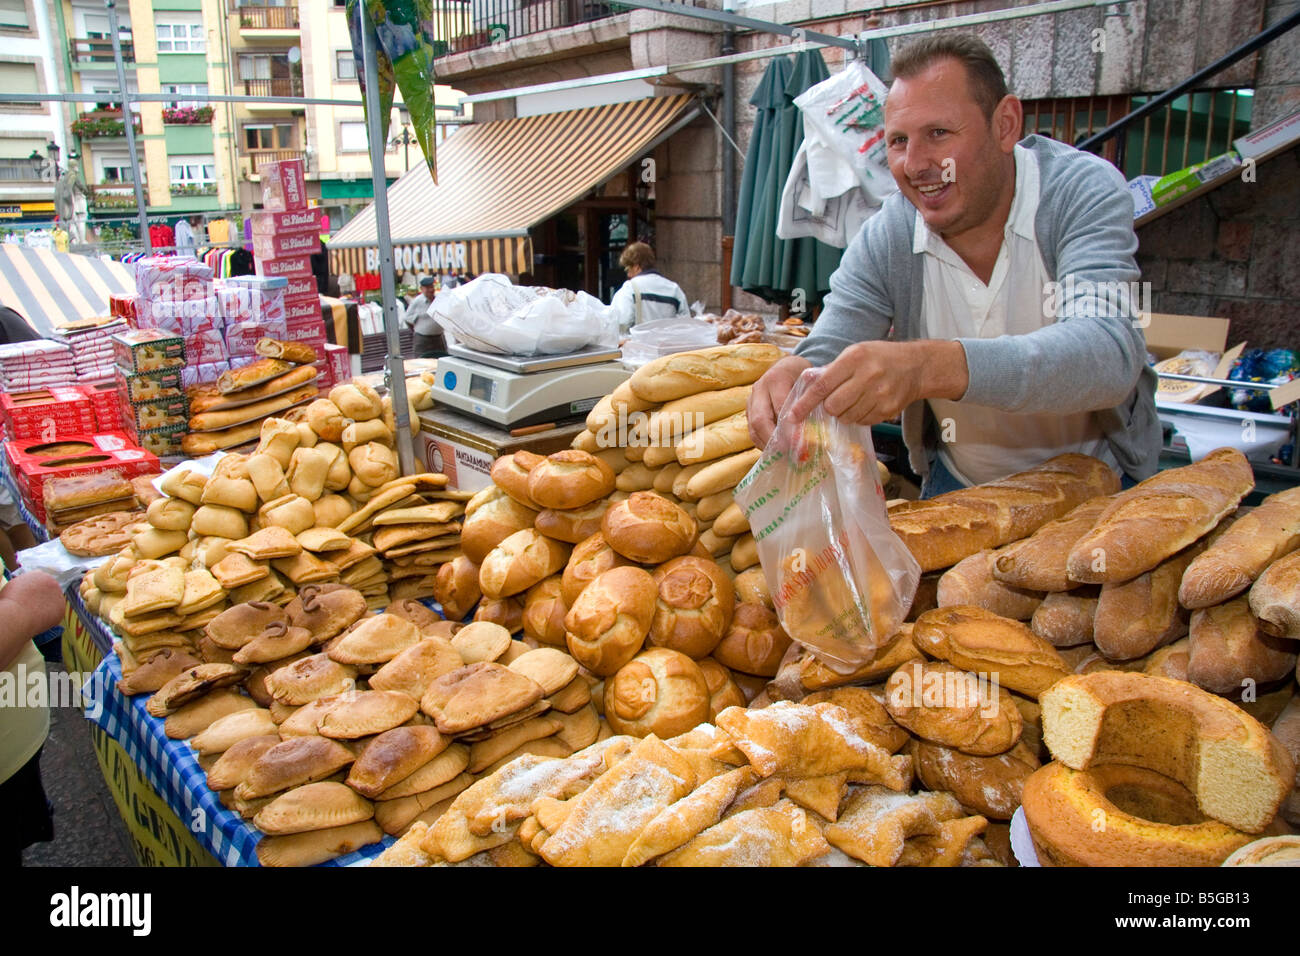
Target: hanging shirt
[(957, 304), (646, 297)]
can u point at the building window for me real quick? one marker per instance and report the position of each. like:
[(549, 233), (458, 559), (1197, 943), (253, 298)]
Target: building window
[(345, 65), (181, 37), (192, 170), (13, 15), (188, 95), (19, 78), (352, 137), (270, 136)]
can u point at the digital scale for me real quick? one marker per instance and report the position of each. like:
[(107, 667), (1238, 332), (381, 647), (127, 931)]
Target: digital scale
[(512, 391)]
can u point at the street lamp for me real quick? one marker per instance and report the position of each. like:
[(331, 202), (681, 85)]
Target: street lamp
[(405, 139), (47, 167)]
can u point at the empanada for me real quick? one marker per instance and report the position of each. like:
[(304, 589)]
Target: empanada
[(293, 763), (780, 835), (366, 712), (393, 756), (680, 822), (224, 732)]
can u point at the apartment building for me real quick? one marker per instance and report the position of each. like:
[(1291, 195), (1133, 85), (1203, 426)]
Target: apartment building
[(199, 156)]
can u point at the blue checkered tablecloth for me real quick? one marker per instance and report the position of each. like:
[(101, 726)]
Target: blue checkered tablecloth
[(171, 766)]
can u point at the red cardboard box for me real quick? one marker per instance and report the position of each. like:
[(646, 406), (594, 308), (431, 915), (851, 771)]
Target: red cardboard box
[(302, 311), (339, 362), (282, 223), (163, 442), (282, 245), (291, 266), (300, 287), (31, 462), (47, 413), (105, 402), (284, 186)]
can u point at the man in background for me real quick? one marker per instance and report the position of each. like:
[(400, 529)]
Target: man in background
[(429, 340), (647, 294)]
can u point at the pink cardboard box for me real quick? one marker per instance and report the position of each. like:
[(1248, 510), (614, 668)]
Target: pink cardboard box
[(283, 245), (300, 286), (281, 223), (284, 186), (304, 310), (339, 362), (292, 266)]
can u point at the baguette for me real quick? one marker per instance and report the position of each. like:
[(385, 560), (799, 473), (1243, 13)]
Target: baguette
[(722, 474), (1275, 597), (1157, 518), (298, 352), (970, 581), (722, 438), (1038, 562), (225, 418), (678, 419), (1228, 650), (206, 398), (1065, 618), (262, 370), (1233, 563), (1135, 617), (197, 444), (687, 373), (942, 530)]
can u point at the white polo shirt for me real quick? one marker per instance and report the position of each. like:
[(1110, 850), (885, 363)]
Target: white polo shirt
[(978, 443)]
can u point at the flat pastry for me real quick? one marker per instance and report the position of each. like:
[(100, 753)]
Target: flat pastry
[(406, 851), (870, 718), (100, 535), (821, 795), (326, 610), (482, 641), (447, 766), (545, 747), (293, 763), (680, 822), (415, 612), (224, 732), (155, 590), (551, 667), (156, 670), (375, 640), (779, 835), (235, 627), (305, 568), (877, 822), (367, 712), (235, 763), (486, 753), (274, 644), (192, 684), (765, 793), (198, 715), (393, 756), (946, 847), (236, 570), (304, 721), (579, 729), (314, 806), (573, 696), (796, 740), (610, 814), (317, 846), (393, 816), (414, 669), (267, 543), (202, 591), (477, 694), (310, 678)]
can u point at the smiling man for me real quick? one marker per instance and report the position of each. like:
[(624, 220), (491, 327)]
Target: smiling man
[(992, 372)]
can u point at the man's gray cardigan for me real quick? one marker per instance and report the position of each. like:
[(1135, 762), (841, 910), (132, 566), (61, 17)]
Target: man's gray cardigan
[(1093, 358)]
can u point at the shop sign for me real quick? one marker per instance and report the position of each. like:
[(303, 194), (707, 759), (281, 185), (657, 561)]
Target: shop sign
[(425, 257)]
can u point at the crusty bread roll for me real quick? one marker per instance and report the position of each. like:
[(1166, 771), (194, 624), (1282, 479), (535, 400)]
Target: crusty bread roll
[(660, 692), (456, 587), (609, 621), (357, 400), (1287, 730), (1232, 563), (590, 558), (719, 475), (1228, 649), (1037, 563), (573, 525), (724, 691), (171, 514), (544, 612), (648, 528), (1204, 742), (744, 552), (694, 606), (940, 531), (971, 581), (519, 562), (731, 522), (278, 438), (751, 587), (989, 786), (711, 507), (184, 483), (1170, 661), (508, 612), (635, 477), (326, 420), (267, 475), (1275, 597), (980, 640), (292, 512), (307, 471), (358, 433), (1135, 617), (1064, 619), (491, 523), (220, 521), (373, 463), (1160, 516), (569, 479), (717, 440), (510, 473), (686, 373), (952, 707), (754, 643)]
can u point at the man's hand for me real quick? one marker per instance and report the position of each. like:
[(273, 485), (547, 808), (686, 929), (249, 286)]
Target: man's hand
[(872, 382), (769, 395)]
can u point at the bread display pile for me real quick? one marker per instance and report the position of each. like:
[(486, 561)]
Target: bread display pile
[(230, 412)]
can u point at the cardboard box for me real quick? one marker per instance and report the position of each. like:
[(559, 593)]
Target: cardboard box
[(284, 185), (155, 414), (1169, 187), (163, 442), (1168, 335), (283, 223), (466, 468), (47, 413), (340, 366), (242, 337), (148, 350), (1139, 189), (304, 310), (32, 462), (299, 287), (282, 268), (106, 405), (286, 245), (147, 386), (1274, 136)]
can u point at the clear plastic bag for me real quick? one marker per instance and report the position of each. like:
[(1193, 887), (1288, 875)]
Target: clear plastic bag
[(841, 580), (492, 314), (658, 337)]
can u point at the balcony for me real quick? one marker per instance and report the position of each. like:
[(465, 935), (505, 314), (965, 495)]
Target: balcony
[(22, 171), (87, 51), (109, 196), (287, 86), (270, 22), (460, 26), (256, 157)]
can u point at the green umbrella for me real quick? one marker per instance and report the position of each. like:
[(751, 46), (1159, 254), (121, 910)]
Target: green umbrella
[(762, 263)]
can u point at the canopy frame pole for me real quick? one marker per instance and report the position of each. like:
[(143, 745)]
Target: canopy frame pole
[(128, 125), (395, 370)]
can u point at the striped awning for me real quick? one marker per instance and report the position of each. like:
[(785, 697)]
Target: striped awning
[(498, 179), (55, 289)]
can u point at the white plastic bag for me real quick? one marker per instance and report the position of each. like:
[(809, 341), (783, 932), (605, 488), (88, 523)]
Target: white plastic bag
[(845, 114), (492, 314), (650, 340), (841, 580)]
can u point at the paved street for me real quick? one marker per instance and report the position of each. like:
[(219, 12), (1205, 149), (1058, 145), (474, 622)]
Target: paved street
[(87, 828)]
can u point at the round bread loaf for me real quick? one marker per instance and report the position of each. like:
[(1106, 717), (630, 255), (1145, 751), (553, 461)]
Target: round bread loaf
[(724, 692), (519, 562), (648, 528), (569, 479), (573, 525), (491, 523), (357, 400), (508, 612), (608, 623), (989, 786), (326, 420), (952, 707), (694, 606), (591, 556), (373, 463), (510, 473), (660, 692), (456, 587), (755, 642), (544, 612), (1151, 820)]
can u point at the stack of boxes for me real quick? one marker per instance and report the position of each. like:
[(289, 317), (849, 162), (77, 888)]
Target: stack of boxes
[(254, 309), (286, 233), (47, 414), (33, 462), (155, 412), (176, 294), (92, 350)]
